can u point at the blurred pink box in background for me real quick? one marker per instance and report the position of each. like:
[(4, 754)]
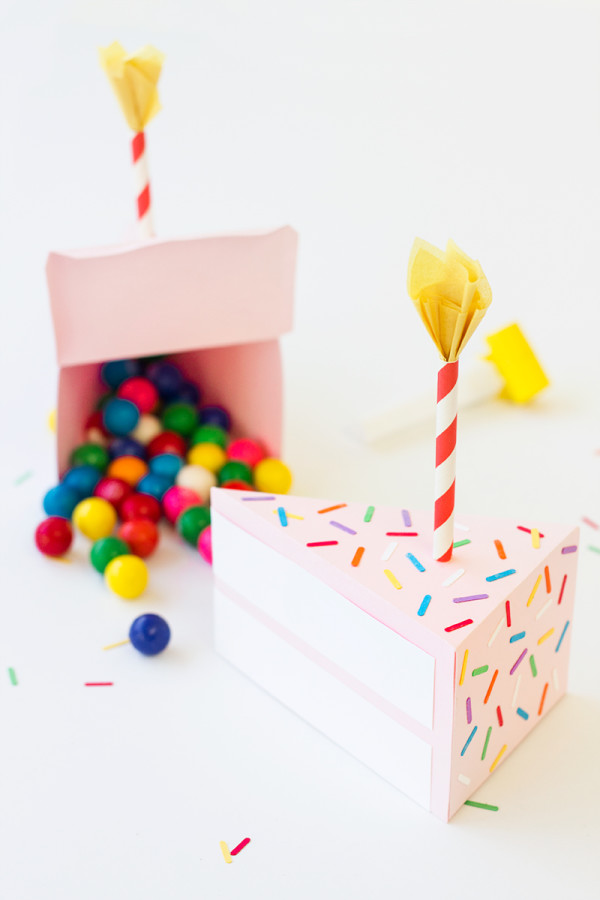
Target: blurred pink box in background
[(216, 305)]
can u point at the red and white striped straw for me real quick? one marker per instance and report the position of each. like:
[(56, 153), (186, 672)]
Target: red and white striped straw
[(142, 185), (445, 461)]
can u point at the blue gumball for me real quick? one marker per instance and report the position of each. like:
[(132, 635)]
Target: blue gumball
[(155, 485), (149, 634), (115, 372), (126, 446), (166, 378), (61, 501), (82, 479), (189, 393), (215, 415), (167, 465), (120, 416)]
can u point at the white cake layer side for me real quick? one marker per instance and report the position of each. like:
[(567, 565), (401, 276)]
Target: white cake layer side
[(389, 749), (388, 664)]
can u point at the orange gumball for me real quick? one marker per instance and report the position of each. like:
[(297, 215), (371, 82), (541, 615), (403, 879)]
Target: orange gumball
[(128, 468)]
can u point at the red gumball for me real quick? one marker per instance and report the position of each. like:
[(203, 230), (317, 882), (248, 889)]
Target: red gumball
[(140, 506), (139, 391), (205, 544), (236, 484), (54, 536), (140, 535), (177, 500), (167, 442), (94, 429), (115, 490), (246, 451)]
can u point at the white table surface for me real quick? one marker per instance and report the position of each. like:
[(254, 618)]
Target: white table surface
[(362, 124)]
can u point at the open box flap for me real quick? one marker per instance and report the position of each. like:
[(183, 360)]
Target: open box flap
[(168, 296)]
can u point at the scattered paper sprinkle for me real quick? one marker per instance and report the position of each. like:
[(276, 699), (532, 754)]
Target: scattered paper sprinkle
[(522, 713), (533, 665), (322, 543), (519, 661), (464, 779), (418, 565), (498, 758), (357, 556), (459, 625), (240, 846), (392, 578), (331, 508), (544, 692), (541, 611), (464, 667), (424, 605), (499, 714), (369, 514), (402, 534), (480, 670), (507, 608), (452, 578), (535, 539), (500, 549), (461, 527), (118, 644), (499, 575), (571, 549), (495, 632), (545, 637), (562, 590), (470, 597), (342, 527), (468, 741), (265, 497), (517, 637), (225, 851), (560, 640), (23, 477), (13, 676), (555, 678), (487, 740), (548, 583), (461, 543), (282, 516), (491, 686), (516, 691), (477, 805), (528, 530), (593, 549), (98, 684), (406, 518), (468, 709), (534, 590), (589, 522), (389, 550)]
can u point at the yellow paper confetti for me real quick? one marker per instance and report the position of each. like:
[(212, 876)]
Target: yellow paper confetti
[(450, 292), (133, 77), (517, 363), (52, 420)]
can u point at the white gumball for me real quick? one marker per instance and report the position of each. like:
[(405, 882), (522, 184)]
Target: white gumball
[(146, 429), (198, 479)]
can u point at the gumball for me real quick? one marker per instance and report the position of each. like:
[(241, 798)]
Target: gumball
[(236, 484), (246, 451), (82, 479), (103, 400), (114, 490), (209, 456), (197, 479), (155, 485), (167, 465), (94, 429), (54, 536), (140, 535), (120, 416), (189, 393), (126, 446), (146, 429), (90, 455), (191, 522), (128, 468), (126, 576), (181, 418), (209, 434), (61, 501), (166, 442), (205, 544), (95, 517), (105, 550), (271, 476), (215, 415), (176, 500), (235, 471), (166, 378), (139, 391), (149, 634), (140, 506), (115, 372)]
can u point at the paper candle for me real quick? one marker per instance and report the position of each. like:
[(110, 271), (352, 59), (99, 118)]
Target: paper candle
[(133, 78), (451, 295)]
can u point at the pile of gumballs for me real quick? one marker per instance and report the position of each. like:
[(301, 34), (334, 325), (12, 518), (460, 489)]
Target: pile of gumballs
[(150, 450)]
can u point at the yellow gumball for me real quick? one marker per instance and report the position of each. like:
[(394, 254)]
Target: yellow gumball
[(126, 576), (95, 518), (211, 456), (271, 476)]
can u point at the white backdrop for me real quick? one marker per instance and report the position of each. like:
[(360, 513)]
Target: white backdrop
[(361, 124)]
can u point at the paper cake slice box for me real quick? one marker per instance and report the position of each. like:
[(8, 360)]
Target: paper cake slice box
[(429, 673), (216, 305)]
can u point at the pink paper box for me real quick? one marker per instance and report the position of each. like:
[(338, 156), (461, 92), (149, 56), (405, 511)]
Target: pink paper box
[(216, 305), (430, 673)]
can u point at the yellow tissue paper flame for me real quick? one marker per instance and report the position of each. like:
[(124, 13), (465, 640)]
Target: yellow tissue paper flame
[(133, 78), (450, 292)]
